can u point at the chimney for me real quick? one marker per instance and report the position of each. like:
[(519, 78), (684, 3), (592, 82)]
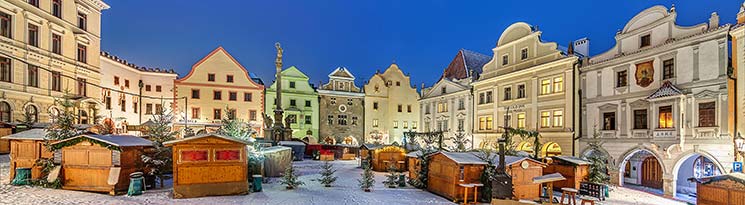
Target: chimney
[(714, 21), (570, 49), (582, 46)]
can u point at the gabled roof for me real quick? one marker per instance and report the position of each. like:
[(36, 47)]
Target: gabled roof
[(218, 50), (426, 93), (293, 71), (571, 160), (115, 140), (32, 134), (341, 73), (205, 136), (464, 63), (666, 90)]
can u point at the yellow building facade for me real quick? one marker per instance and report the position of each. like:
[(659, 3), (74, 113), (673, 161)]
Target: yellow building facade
[(391, 106), (215, 85), (48, 47)]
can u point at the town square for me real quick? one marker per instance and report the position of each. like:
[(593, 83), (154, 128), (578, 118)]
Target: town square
[(372, 102)]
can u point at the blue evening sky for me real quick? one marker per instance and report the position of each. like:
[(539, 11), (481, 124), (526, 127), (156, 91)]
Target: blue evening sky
[(364, 36)]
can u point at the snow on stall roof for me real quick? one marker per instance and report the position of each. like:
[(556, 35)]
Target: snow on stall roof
[(414, 154), (572, 160), (737, 177), (291, 143), (206, 135), (274, 149), (32, 134), (472, 158), (548, 178), (116, 140)]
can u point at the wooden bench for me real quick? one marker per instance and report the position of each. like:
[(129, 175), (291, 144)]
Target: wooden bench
[(571, 195)]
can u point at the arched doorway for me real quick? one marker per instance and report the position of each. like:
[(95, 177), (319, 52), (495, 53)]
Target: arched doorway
[(694, 165), (33, 113), (83, 117), (641, 169), (5, 112)]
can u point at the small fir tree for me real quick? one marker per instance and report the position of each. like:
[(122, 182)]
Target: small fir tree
[(159, 160), (391, 179), (460, 141), (290, 178), (367, 180), (489, 156), (233, 127), (598, 172), (63, 124), (327, 174)]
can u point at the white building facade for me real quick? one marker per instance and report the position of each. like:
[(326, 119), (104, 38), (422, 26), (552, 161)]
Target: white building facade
[(132, 94), (657, 102)]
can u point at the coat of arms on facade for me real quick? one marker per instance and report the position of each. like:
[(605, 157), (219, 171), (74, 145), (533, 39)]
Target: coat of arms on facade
[(644, 74)]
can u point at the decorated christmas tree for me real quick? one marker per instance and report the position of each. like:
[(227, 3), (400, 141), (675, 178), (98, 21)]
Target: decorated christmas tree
[(391, 179), (598, 167), (367, 180), (159, 161), (290, 178), (327, 175), (460, 141)]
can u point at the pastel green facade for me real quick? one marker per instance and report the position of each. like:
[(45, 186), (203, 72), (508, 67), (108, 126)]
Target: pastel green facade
[(300, 99)]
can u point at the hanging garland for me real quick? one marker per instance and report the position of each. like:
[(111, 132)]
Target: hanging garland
[(81, 139)]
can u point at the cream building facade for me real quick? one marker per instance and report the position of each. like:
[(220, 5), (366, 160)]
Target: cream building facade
[(658, 102), (391, 106), (736, 87), (214, 84), (448, 104), (48, 47), (534, 81), (132, 94)]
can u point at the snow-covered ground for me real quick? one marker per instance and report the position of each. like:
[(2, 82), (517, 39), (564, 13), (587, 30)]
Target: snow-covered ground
[(346, 191)]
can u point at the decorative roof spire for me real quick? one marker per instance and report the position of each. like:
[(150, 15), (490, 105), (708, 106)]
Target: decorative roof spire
[(672, 8)]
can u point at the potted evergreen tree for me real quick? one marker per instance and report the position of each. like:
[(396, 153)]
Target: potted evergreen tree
[(327, 174), (290, 179), (367, 179)]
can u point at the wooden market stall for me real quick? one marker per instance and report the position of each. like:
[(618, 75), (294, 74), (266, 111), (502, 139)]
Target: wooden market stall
[(5, 130), (209, 165), (574, 169), (723, 189), (298, 149), (25, 148), (448, 170), (412, 162), (385, 156), (276, 160), (100, 163)]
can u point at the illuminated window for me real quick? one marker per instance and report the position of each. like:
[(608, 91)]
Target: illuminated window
[(194, 156), (558, 84), (545, 86), (558, 118), (375, 123), (227, 155), (521, 120), (666, 117), (395, 124), (545, 119)]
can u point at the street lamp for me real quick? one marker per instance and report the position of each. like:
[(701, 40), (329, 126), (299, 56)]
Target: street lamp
[(740, 143)]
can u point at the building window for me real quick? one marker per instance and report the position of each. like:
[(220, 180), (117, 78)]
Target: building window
[(82, 53), (82, 21), (349, 101), (640, 119), (33, 113), (461, 104), (558, 118), (158, 108), (427, 108), (229, 78), (116, 80), (398, 83), (375, 123), (558, 84), (342, 119), (442, 107), (545, 86), (217, 95), (375, 105), (508, 93), (520, 91), (707, 114), (292, 119), (292, 84), (505, 59), (211, 77), (645, 41), (33, 35), (123, 103), (82, 88), (293, 102), (33, 76), (216, 114), (57, 8), (232, 96), (107, 101), (443, 90), (521, 120), (621, 78), (134, 107), (158, 88), (5, 25), (126, 83), (333, 101), (247, 97), (485, 123), (666, 117), (668, 69), (148, 88), (231, 114), (408, 108), (308, 120), (406, 125), (307, 103), (461, 124), (56, 44), (609, 121), (400, 108), (395, 124), (330, 119), (195, 113), (56, 81), (489, 97), (482, 98), (252, 115), (524, 54), (545, 119), (5, 112), (5, 70), (194, 93), (148, 109)]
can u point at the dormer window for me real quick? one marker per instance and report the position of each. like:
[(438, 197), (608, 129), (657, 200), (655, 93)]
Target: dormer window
[(645, 40), (524, 54), (292, 84), (443, 90), (505, 59)]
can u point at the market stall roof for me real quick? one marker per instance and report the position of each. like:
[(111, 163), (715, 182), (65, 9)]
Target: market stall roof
[(472, 158), (291, 143), (418, 153), (737, 177), (548, 178), (371, 146), (115, 140), (572, 160), (205, 136), (32, 134), (273, 149)]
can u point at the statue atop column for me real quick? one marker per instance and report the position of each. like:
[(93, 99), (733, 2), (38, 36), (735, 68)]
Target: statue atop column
[(278, 131)]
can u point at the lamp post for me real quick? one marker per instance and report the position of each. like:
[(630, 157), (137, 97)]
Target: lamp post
[(140, 84)]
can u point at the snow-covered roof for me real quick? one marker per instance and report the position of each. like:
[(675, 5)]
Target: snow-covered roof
[(736, 177), (274, 149), (296, 143), (116, 140), (548, 178), (572, 160), (32, 134), (206, 135), (472, 158)]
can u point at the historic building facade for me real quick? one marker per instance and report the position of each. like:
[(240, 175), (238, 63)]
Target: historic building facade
[(532, 82), (215, 85), (299, 102), (342, 109), (448, 105), (48, 48), (736, 88), (657, 101), (132, 94), (391, 106)]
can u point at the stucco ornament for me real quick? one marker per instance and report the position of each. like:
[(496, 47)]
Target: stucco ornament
[(644, 74)]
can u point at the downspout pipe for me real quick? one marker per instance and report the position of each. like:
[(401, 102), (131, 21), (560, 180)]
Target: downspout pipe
[(576, 133)]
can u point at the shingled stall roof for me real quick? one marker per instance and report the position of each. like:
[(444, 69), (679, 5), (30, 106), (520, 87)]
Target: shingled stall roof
[(548, 178), (737, 177), (666, 90), (112, 140), (571, 160), (32, 134), (206, 135), (472, 158), (465, 62)]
